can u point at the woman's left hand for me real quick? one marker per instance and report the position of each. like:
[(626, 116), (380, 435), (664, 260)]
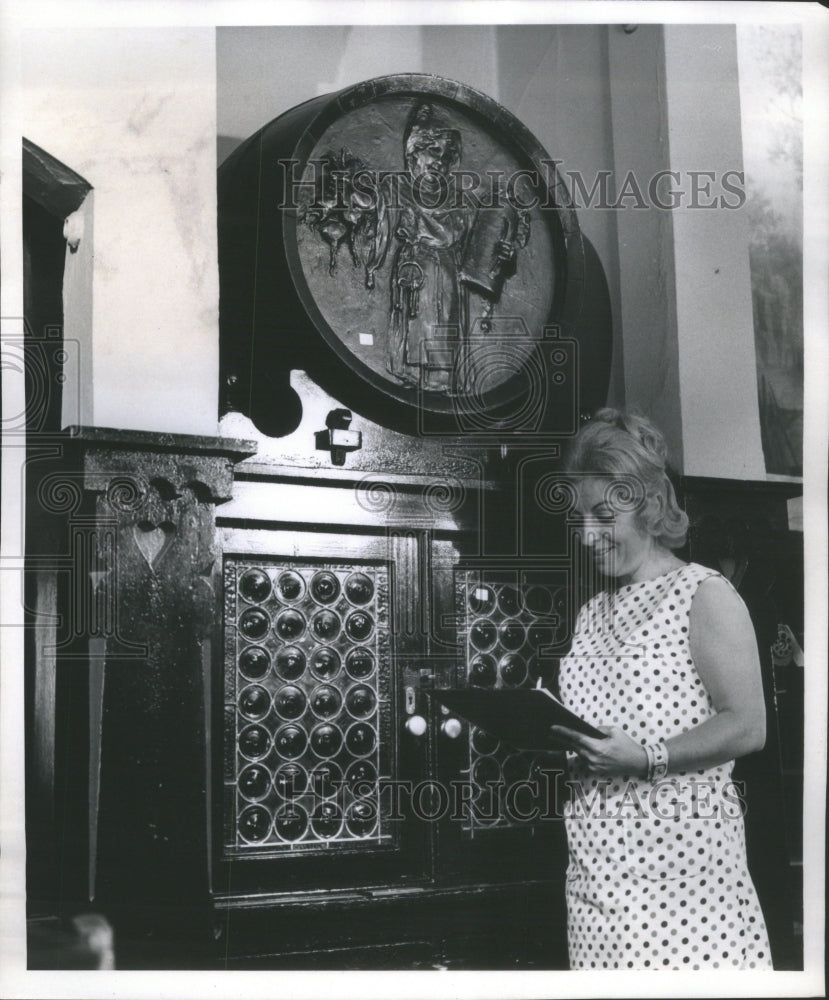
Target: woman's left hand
[(616, 754)]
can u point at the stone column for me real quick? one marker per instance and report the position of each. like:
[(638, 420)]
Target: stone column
[(687, 321), (715, 323)]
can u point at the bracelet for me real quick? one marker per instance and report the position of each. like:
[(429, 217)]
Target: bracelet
[(657, 760), (651, 762)]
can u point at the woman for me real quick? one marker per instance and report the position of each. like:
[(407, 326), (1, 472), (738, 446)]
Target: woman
[(664, 662)]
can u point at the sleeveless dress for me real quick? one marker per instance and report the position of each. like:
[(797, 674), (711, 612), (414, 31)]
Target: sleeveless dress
[(657, 877)]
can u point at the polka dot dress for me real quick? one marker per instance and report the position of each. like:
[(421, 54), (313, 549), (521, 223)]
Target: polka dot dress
[(657, 877)]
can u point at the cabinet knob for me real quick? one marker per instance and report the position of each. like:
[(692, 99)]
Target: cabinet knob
[(451, 728), (416, 725)]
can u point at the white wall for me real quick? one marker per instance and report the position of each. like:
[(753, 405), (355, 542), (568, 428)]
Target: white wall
[(265, 71), (555, 79), (133, 112)]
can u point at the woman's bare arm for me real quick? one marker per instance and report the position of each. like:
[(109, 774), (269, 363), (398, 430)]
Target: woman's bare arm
[(724, 650)]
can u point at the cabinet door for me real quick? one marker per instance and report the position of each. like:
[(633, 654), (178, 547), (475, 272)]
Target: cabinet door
[(501, 818), (312, 698)]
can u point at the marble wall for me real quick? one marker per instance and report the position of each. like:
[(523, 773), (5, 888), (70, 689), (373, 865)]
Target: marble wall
[(133, 111)]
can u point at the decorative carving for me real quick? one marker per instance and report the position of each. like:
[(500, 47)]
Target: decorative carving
[(126, 493), (786, 650), (97, 577), (340, 212), (165, 489), (143, 542), (153, 541), (407, 235), (443, 245)]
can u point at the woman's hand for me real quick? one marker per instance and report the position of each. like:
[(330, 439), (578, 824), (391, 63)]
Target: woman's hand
[(616, 754)]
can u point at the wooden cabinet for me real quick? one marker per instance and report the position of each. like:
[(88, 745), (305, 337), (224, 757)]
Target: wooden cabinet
[(742, 530)]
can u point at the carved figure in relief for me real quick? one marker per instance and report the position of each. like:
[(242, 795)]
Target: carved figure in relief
[(443, 245), (340, 212)]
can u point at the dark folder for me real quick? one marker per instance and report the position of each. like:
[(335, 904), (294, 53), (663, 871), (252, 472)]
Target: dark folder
[(520, 717)]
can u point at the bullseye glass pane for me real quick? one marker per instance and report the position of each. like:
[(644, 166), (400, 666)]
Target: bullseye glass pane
[(325, 587), (307, 695), (290, 663), (359, 589), (255, 586), (289, 586), (254, 662), (254, 624)]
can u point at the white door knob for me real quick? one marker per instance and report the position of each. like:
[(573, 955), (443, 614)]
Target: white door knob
[(416, 725), (452, 728)]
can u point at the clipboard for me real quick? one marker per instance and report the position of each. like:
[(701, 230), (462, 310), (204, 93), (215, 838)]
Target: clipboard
[(520, 717)]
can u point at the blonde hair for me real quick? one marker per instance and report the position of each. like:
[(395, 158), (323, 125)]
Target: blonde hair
[(628, 449)]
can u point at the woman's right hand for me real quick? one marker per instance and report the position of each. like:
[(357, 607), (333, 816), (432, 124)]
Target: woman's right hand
[(616, 753)]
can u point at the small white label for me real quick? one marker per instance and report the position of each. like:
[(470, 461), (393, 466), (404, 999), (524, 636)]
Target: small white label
[(366, 339)]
